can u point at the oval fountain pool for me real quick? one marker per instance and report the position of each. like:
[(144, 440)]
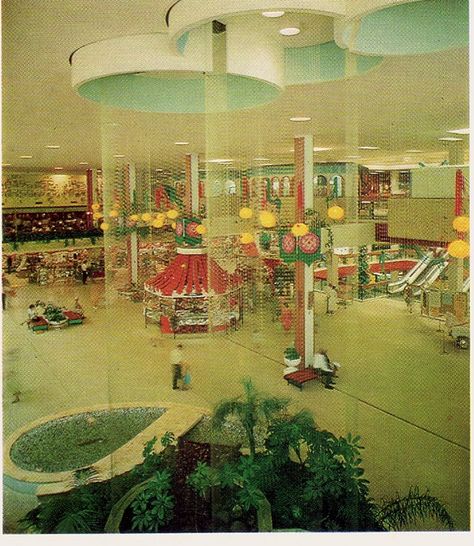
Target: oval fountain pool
[(79, 440)]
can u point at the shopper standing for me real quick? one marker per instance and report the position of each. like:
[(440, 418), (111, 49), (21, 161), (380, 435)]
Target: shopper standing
[(176, 361), (322, 362), (409, 298), (84, 271)]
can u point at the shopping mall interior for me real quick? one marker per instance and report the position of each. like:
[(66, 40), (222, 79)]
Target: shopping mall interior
[(235, 266)]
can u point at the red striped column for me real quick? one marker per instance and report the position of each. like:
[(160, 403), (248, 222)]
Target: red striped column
[(90, 198), (132, 239), (304, 323)]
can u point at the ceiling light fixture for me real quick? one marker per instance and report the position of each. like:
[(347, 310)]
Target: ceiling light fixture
[(58, 168), (354, 156), (83, 163), (119, 155), (26, 156), (181, 143), (459, 131), (450, 139), (273, 14), (298, 119), (6, 164), (290, 31), (52, 147), (369, 148), (316, 149), (159, 170), (261, 159), (414, 151), (220, 161)]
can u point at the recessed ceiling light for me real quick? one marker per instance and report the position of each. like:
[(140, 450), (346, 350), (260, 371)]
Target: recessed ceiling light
[(316, 149), (459, 131), (181, 143), (414, 151), (290, 31), (261, 159), (300, 118), (6, 164), (450, 139), (369, 148), (52, 147), (83, 163), (26, 156), (354, 156), (58, 168), (159, 170), (273, 13), (119, 155), (219, 161)]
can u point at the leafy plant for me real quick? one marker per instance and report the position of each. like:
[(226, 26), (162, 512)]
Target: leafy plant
[(249, 410), (291, 353), (153, 507), (53, 313)]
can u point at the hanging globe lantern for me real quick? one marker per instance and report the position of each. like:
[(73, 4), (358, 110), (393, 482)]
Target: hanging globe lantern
[(247, 238), (133, 217), (158, 223), (458, 249), (146, 216), (172, 214), (201, 229), (113, 213), (116, 205), (95, 207), (267, 219), (173, 225), (161, 216), (299, 229), (461, 224), (97, 215), (246, 213), (104, 226), (335, 212)]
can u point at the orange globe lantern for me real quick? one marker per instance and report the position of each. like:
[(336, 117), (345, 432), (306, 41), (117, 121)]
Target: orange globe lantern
[(113, 213), (104, 226), (461, 224), (97, 215), (267, 219), (247, 238), (201, 229), (458, 249), (95, 207), (146, 217), (299, 229), (158, 223), (335, 212), (172, 214), (246, 213), (134, 217)]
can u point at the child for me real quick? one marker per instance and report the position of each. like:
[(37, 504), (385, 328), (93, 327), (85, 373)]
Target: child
[(187, 378)]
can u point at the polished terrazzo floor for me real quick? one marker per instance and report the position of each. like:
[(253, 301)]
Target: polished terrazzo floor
[(402, 387)]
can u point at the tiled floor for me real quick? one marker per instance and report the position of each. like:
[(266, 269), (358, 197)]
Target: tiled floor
[(401, 388)]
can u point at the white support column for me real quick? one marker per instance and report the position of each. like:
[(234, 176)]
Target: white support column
[(132, 242)]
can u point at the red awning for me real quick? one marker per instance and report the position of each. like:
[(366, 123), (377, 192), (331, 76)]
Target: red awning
[(188, 274)]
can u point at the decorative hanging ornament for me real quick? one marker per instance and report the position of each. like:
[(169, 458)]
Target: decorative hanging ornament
[(247, 238), (458, 249), (201, 229), (133, 217), (97, 215), (95, 207), (299, 229), (267, 219), (161, 216), (146, 217), (158, 223), (172, 214), (173, 225), (246, 213), (461, 224), (104, 226), (113, 213), (335, 212)]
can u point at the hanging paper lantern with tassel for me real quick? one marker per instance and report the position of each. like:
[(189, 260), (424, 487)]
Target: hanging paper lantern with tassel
[(246, 213), (458, 249)]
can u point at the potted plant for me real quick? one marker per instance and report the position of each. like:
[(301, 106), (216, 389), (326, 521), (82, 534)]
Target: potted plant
[(291, 357), (54, 316)]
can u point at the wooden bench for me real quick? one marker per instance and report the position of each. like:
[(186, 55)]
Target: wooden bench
[(301, 376), (73, 317)]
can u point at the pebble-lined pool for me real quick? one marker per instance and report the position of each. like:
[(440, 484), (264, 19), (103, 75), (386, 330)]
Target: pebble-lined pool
[(79, 440)]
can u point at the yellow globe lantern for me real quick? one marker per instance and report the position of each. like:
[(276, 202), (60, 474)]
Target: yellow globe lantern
[(95, 207), (113, 213), (173, 225), (267, 219), (461, 224), (246, 213), (299, 229), (146, 216), (116, 206), (97, 215), (158, 223), (247, 238), (335, 212), (161, 216), (172, 214), (201, 229), (133, 217), (458, 249), (104, 226)]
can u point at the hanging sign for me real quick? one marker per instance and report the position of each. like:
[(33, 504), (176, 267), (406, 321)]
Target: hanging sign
[(186, 231), (305, 249)]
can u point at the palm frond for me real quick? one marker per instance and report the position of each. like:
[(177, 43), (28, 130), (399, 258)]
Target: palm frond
[(225, 408), (403, 512)]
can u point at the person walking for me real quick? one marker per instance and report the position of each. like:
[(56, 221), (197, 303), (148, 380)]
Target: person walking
[(408, 294), (176, 361), (84, 271)]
